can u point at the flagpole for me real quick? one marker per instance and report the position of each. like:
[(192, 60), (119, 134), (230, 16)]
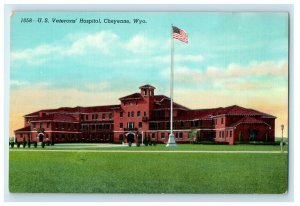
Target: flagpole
[(171, 140)]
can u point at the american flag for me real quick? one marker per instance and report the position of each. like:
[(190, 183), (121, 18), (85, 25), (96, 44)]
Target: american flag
[(180, 34)]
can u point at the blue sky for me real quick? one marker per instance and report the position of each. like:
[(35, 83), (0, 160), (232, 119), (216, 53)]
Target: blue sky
[(231, 58)]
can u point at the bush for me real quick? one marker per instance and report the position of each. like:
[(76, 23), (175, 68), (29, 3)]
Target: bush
[(29, 143), (18, 144), (48, 143), (35, 144), (24, 144), (129, 143), (146, 142), (12, 144), (138, 144), (43, 144)]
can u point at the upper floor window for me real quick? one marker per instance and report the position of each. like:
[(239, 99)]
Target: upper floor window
[(128, 114), (124, 103), (121, 125), (63, 125), (121, 114), (41, 125), (138, 113), (132, 114), (140, 124), (34, 125), (144, 92), (216, 121), (144, 114), (86, 117), (48, 124), (110, 115), (96, 116), (56, 125), (93, 117), (222, 120), (103, 116)]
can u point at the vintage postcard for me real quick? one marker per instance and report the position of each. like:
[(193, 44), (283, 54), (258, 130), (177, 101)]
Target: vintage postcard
[(149, 102)]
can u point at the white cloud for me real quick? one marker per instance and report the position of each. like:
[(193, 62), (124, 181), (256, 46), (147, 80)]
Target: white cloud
[(141, 44), (180, 58)]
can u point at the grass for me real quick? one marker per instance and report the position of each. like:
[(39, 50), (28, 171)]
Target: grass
[(87, 172), (162, 147)]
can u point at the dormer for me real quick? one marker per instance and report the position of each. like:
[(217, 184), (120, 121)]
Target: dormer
[(147, 90)]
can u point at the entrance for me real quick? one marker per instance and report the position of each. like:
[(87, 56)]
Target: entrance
[(130, 138), (41, 137)]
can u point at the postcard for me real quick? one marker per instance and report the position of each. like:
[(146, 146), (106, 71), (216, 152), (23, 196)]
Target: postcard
[(149, 102)]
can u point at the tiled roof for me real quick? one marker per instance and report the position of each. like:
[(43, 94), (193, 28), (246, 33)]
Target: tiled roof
[(77, 109), (158, 98), (248, 120), (56, 117), (132, 96), (237, 110), (24, 129), (147, 86), (165, 104)]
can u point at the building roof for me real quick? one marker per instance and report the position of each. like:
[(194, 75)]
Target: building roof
[(55, 117), (165, 102), (24, 129), (248, 120), (147, 86), (237, 110), (132, 96), (92, 109)]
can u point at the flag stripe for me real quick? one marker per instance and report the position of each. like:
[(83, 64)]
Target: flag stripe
[(180, 34)]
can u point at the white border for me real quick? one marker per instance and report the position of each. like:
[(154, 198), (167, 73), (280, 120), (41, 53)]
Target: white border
[(145, 198)]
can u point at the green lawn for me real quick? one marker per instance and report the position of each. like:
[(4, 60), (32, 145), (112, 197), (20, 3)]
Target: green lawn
[(162, 147), (90, 172)]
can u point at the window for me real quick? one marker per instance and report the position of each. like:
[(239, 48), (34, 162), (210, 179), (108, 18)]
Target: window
[(130, 125), (75, 126), (93, 127), (82, 117), (62, 125), (180, 135), (153, 135), (130, 103), (230, 133), (96, 116), (163, 135), (138, 113), (226, 133), (222, 120), (124, 103), (103, 116), (176, 135), (140, 124), (93, 117), (216, 121), (56, 125), (121, 125), (223, 134), (86, 117), (41, 125), (144, 114), (34, 125), (110, 115), (132, 114), (128, 114), (121, 114), (69, 126), (136, 102), (145, 92), (48, 124), (220, 134)]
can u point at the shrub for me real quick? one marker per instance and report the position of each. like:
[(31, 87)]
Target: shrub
[(48, 143), (129, 143), (18, 144), (43, 144), (146, 142), (29, 143), (138, 144), (24, 144), (35, 144), (12, 144)]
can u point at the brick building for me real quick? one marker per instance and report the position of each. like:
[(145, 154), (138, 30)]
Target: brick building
[(146, 115)]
